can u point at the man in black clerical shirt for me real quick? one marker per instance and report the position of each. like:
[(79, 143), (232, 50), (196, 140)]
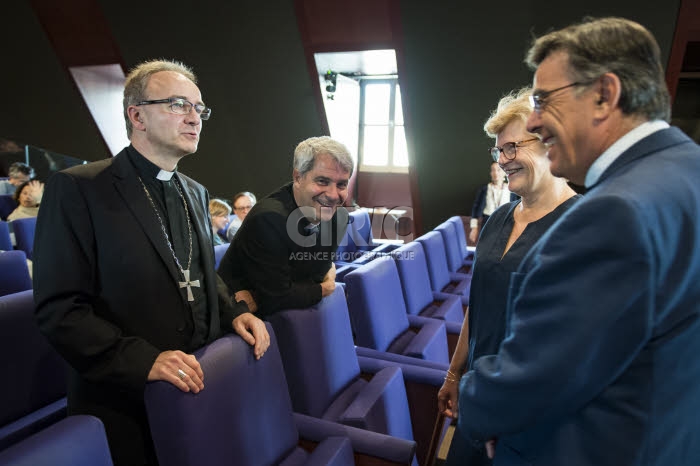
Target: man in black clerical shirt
[(124, 278), (283, 252)]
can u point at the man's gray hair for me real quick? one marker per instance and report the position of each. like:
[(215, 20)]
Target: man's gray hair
[(306, 152), (19, 169), (612, 45), (137, 81)]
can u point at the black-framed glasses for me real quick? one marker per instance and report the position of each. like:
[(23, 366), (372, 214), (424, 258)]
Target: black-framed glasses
[(181, 106), (538, 100), (509, 149)]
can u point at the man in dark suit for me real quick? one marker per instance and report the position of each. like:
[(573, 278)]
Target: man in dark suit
[(599, 364), (283, 252), (125, 285)]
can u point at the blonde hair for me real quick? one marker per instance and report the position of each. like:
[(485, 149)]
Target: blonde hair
[(219, 207), (513, 106)]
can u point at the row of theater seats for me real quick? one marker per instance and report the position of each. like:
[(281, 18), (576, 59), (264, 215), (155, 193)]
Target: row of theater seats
[(379, 402), (245, 415)]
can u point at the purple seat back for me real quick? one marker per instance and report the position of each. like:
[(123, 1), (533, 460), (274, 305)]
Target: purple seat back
[(415, 280), (452, 252), (219, 252), (7, 205), (358, 236), (376, 304), (316, 345), (14, 273), (458, 225), (74, 441), (38, 372), (434, 249), (243, 416), (24, 234), (5, 241)]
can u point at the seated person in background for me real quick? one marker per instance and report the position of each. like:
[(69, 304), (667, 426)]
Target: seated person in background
[(489, 198), (509, 234), (283, 252), (28, 196), (219, 211), (242, 203), (18, 173)]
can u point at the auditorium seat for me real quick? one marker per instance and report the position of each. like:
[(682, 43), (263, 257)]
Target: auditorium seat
[(380, 320), (441, 279), (244, 417), (7, 205), (419, 298), (5, 239), (24, 234), (358, 245), (455, 257), (74, 441), (467, 253), (14, 273), (219, 252), (34, 398), (329, 378)]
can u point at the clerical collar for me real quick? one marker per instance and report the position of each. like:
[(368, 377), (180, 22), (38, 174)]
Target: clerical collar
[(146, 168), (164, 175)]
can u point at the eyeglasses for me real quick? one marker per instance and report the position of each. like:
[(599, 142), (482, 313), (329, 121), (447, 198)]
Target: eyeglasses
[(509, 149), (242, 208), (181, 106), (538, 100)]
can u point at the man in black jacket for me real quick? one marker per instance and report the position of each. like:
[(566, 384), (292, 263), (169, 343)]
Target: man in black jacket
[(283, 252), (124, 278)]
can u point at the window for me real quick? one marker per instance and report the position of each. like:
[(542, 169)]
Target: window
[(382, 138)]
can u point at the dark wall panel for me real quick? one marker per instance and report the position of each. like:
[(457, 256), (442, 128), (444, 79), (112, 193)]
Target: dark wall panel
[(250, 63), (41, 105), (461, 59)]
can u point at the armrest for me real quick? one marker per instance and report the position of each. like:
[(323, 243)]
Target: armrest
[(371, 444), (448, 309), (368, 355), (342, 269), (439, 296), (450, 327), (430, 342), (333, 451), (462, 283), (381, 406)]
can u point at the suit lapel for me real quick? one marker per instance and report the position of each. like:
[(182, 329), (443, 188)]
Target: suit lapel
[(130, 189)]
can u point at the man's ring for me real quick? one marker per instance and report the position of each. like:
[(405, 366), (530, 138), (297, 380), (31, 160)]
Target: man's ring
[(181, 374)]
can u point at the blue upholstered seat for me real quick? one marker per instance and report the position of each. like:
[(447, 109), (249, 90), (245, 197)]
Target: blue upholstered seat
[(328, 378), (453, 250), (74, 441), (441, 279), (36, 397), (420, 299), (5, 240), (244, 417), (14, 273), (24, 234)]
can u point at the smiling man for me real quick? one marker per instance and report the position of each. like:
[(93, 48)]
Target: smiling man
[(283, 252), (599, 364), (124, 278)]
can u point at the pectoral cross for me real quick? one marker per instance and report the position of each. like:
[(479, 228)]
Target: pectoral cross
[(189, 284)]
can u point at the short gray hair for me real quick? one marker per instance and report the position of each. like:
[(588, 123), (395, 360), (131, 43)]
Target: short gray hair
[(138, 78), (612, 45), (306, 152)]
